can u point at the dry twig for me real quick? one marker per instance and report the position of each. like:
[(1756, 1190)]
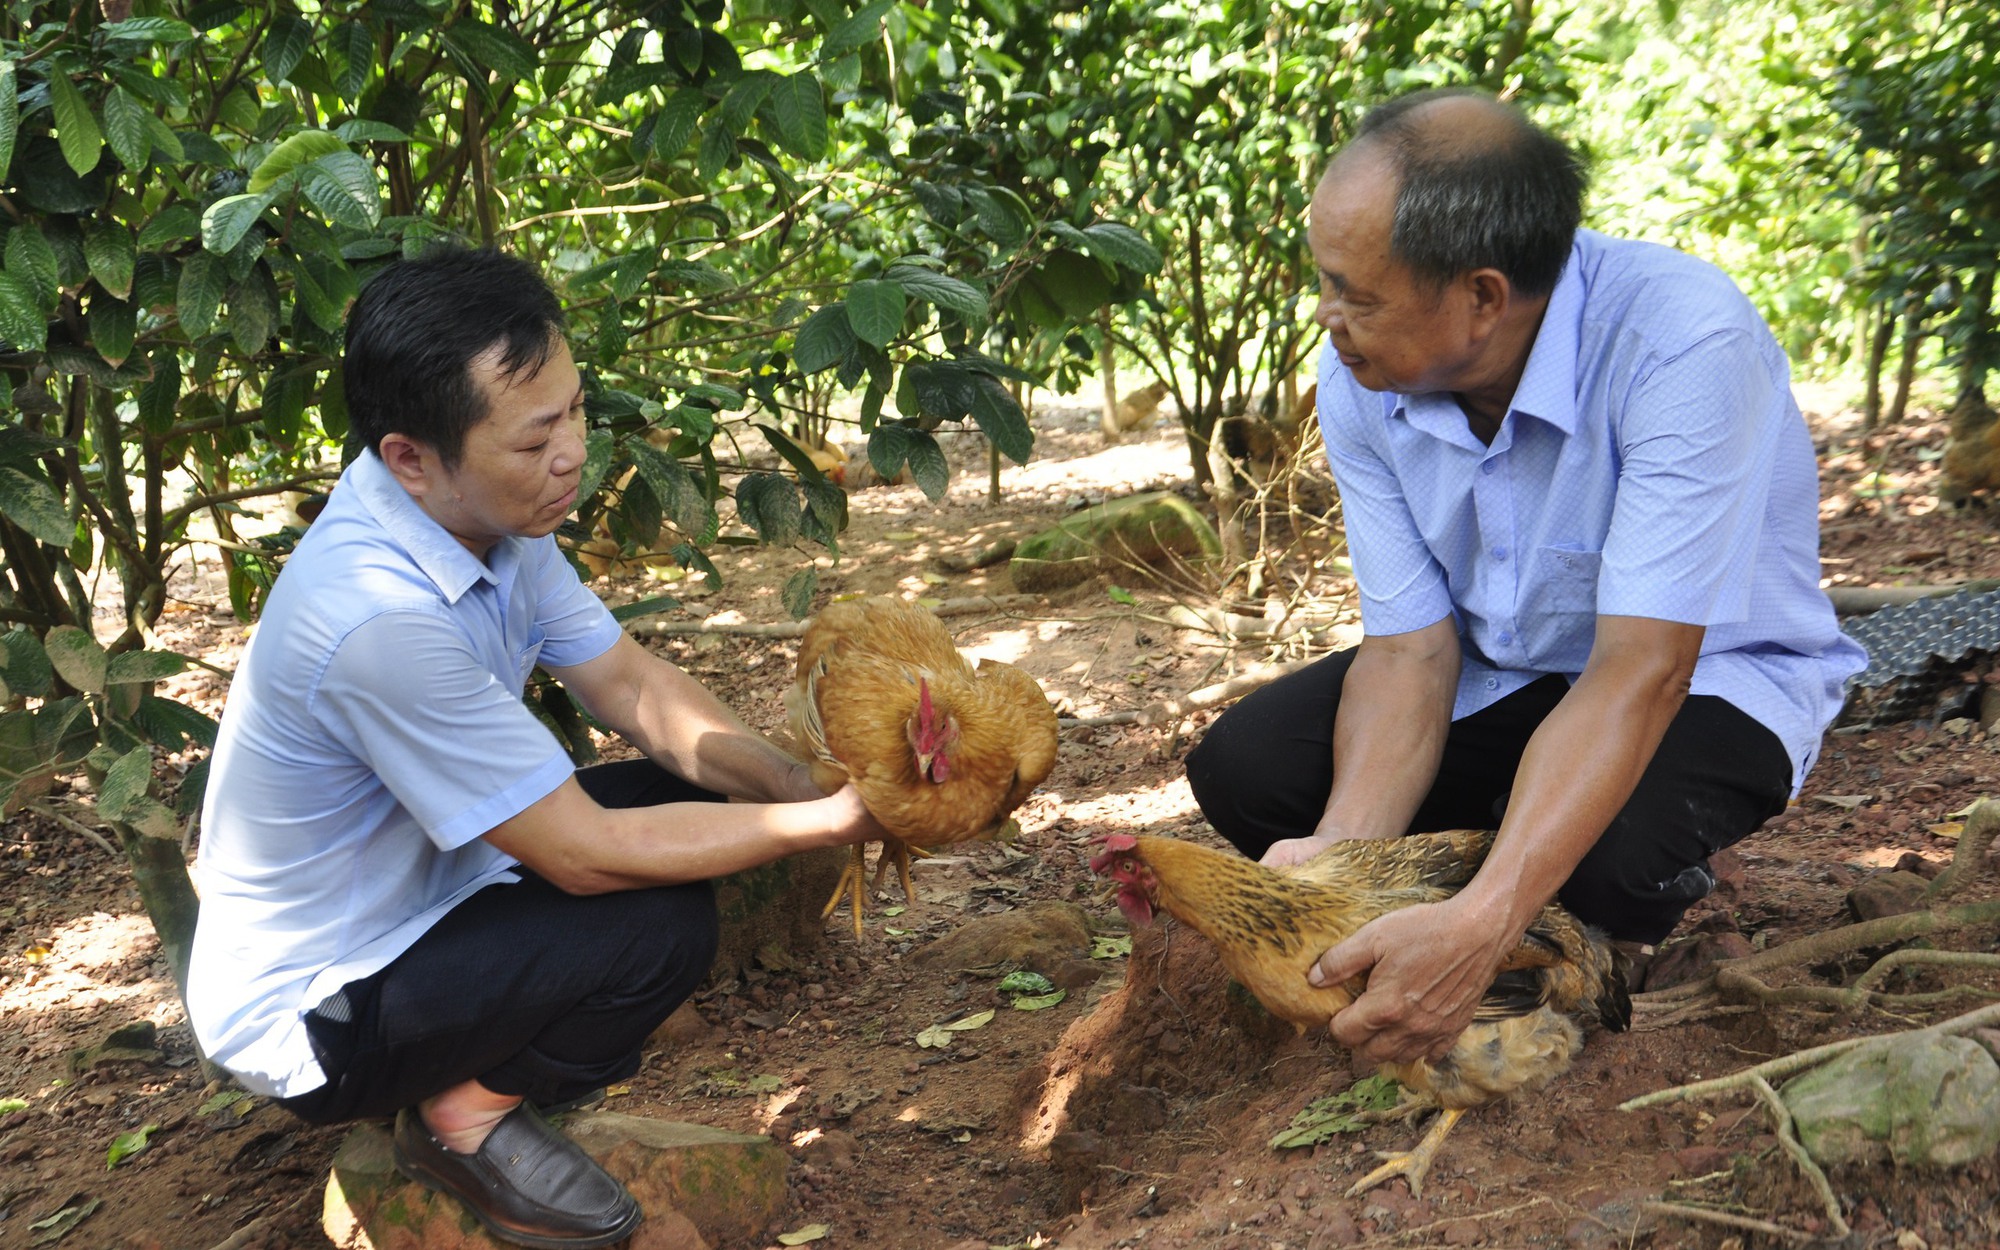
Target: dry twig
[(1682, 1211)]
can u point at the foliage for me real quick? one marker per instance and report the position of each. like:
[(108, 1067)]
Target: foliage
[(1348, 1111)]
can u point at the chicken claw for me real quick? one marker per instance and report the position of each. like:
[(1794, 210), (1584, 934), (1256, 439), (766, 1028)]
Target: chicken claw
[(1413, 1164)]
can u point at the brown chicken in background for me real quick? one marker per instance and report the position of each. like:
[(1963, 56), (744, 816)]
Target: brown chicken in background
[(941, 752), (1271, 925)]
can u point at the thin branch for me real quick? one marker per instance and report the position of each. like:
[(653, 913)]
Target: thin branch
[(1682, 1211), (1788, 1137)]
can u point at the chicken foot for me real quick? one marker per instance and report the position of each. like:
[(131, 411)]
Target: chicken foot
[(1412, 1164), (853, 884)]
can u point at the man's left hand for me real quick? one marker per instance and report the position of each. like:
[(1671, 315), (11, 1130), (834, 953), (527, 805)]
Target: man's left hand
[(1427, 968)]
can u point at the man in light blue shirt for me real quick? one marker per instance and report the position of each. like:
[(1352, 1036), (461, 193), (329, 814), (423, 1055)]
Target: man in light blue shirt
[(1583, 514), (412, 904)]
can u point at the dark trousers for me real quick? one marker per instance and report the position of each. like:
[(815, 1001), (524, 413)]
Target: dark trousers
[(530, 990), (1265, 768)]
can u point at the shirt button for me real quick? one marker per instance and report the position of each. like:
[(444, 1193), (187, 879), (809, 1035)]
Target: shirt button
[(1488, 466), (1499, 553), (1506, 636), (1492, 683)]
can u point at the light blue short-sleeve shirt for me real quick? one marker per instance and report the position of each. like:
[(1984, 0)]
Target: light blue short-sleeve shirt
[(374, 731), (1653, 463)]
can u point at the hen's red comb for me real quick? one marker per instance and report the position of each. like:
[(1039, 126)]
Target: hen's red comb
[(1114, 845)]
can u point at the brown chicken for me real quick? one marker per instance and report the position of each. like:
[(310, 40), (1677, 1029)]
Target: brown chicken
[(940, 751), (1271, 925)]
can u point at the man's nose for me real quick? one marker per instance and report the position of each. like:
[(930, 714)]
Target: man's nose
[(1327, 314), (571, 450)]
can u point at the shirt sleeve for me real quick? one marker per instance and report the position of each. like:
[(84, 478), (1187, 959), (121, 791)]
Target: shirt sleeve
[(1697, 444), (446, 736), (1402, 585), (574, 623)]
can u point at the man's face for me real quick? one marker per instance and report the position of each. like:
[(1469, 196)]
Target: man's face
[(518, 471), (1391, 333)]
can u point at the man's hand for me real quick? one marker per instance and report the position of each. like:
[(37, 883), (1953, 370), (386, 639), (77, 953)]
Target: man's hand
[(1427, 968), (1288, 851), (849, 820)]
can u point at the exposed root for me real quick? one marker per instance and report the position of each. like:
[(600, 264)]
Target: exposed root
[(1788, 1137), (1682, 1211)]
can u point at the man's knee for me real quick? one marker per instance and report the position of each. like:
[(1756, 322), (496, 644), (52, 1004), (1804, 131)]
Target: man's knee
[(1632, 899)]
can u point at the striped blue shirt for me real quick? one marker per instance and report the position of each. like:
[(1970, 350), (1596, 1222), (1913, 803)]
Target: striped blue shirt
[(373, 733), (1653, 463)]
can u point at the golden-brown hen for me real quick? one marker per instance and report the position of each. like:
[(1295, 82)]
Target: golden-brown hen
[(941, 752), (1271, 925)]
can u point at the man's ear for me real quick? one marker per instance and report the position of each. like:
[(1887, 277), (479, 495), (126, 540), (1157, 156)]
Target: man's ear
[(411, 462), (1491, 296)]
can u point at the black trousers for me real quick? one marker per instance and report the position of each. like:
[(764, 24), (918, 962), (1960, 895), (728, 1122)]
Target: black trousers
[(1265, 768), (530, 990)]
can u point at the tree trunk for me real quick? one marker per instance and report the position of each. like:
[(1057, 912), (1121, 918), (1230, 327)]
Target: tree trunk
[(1906, 370), (1107, 372), (1879, 337), (160, 869)]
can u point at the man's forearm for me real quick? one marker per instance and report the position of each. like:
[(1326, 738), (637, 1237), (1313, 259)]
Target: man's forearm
[(1389, 732), (1580, 768)]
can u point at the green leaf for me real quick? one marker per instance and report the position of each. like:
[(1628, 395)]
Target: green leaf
[(1001, 213), (229, 219), (853, 32), (125, 783), (799, 104), (639, 608), (21, 321), (1122, 246), (170, 225), (363, 131), (1025, 982), (55, 1227), (675, 124), (295, 153), (797, 595), (343, 186), (824, 340), (961, 299), (77, 657), (30, 257), (285, 45), (10, 117), (1000, 418), (24, 664), (357, 57), (740, 102), (125, 1145), (114, 325), (1040, 1002), (1118, 594), (673, 486), (165, 140), (1324, 1118), (803, 1234), (111, 255), (139, 666), (32, 504), (875, 311), (204, 279), (718, 148), (149, 30), (170, 724), (1111, 947), (76, 128), (769, 504), (491, 47), (125, 127)]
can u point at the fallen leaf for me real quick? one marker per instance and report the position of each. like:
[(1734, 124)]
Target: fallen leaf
[(1025, 983), (227, 1098), (612, 1091), (799, 1237), (58, 1226), (1845, 802), (1110, 947), (932, 579), (1039, 1002), (901, 536), (979, 1021), (1948, 829), (125, 1145), (35, 954)]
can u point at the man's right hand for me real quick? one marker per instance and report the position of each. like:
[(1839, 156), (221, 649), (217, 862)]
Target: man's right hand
[(848, 818)]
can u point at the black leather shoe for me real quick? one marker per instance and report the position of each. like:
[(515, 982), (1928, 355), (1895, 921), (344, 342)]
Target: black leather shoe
[(527, 1183)]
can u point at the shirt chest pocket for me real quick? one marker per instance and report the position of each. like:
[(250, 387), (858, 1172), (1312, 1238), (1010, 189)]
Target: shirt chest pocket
[(524, 659), (1565, 580)]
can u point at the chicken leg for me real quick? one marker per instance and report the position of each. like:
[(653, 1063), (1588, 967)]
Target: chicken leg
[(1412, 1164), (853, 878)]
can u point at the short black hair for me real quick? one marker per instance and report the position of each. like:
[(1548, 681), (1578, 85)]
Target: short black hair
[(415, 330), (1508, 196)]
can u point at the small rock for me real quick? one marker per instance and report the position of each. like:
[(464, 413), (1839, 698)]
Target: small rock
[(1702, 1160), (1922, 1103), (667, 1229), (1727, 867), (834, 1150), (1336, 1229), (1913, 862), (1461, 1233), (1890, 894)]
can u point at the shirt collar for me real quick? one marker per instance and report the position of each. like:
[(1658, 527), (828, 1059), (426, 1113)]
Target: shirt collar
[(429, 545), (1548, 384)]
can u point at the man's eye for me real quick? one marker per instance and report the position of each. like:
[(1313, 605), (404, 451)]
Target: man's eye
[(537, 447)]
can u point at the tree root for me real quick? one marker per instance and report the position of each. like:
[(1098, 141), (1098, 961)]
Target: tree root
[(1683, 1211), (1743, 980), (1002, 550), (1788, 1137)]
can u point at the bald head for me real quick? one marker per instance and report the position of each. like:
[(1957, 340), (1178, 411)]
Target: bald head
[(1477, 186)]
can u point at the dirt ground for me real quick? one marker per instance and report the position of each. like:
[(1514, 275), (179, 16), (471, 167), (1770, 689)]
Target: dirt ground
[(1137, 1110)]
